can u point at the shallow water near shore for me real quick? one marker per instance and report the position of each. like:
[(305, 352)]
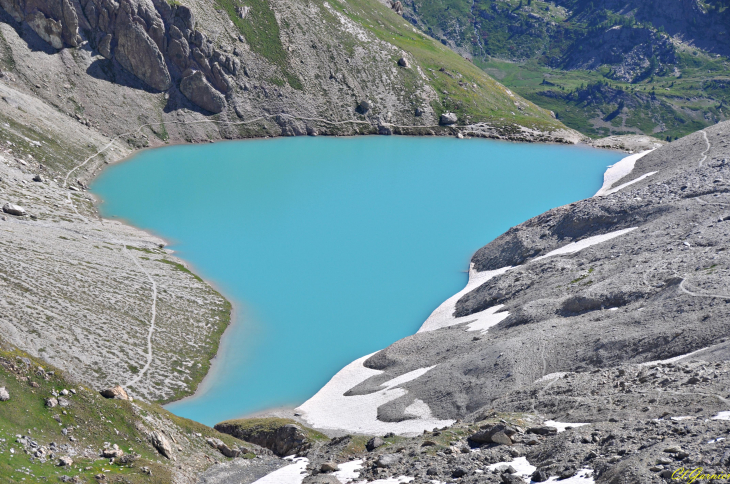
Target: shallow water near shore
[(332, 248)]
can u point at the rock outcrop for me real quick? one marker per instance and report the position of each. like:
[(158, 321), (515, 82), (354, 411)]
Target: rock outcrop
[(281, 436), (197, 89)]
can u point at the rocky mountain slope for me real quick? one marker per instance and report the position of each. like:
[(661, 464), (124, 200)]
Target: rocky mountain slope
[(55, 429), (606, 67), (635, 275), (262, 68)]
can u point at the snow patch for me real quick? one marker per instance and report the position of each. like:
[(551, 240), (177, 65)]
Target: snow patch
[(574, 247), (329, 408), (524, 469), (583, 476), (443, 317), (562, 426), (617, 171), (551, 376), (722, 416), (673, 359), (292, 474), (348, 471)]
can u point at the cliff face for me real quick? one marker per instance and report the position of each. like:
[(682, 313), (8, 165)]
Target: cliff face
[(265, 68)]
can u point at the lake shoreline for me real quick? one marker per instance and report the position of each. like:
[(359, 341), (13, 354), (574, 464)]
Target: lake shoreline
[(218, 358)]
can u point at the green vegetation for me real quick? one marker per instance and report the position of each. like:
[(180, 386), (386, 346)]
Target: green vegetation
[(261, 31), (590, 102), (556, 54), (461, 86), (89, 421)]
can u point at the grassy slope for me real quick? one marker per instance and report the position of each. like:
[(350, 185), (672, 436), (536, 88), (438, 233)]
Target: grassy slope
[(95, 421), (489, 101)]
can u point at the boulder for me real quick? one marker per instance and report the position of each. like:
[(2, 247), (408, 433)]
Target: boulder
[(38, 178), (540, 475), (65, 461), (160, 442), (321, 479), (223, 448), (139, 54), (117, 393), (64, 402), (112, 452), (403, 62), (4, 395), (51, 402), (387, 460), (498, 434), (501, 438), (199, 91), (374, 443), (447, 119), (544, 430), (328, 467), (397, 7), (364, 106), (14, 209)]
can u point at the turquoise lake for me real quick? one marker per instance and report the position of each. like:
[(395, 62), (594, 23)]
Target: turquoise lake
[(332, 248)]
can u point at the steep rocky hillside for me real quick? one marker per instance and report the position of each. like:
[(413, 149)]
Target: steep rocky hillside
[(208, 70), (635, 275), (55, 429), (606, 67)]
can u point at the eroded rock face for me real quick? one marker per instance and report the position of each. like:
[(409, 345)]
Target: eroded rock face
[(283, 440), (198, 90), (47, 29), (139, 54)]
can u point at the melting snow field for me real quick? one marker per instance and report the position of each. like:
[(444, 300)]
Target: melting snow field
[(618, 171), (722, 416), (442, 316), (562, 426), (291, 474), (331, 409)]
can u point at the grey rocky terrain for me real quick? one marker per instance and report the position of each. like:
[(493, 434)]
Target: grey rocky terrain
[(656, 290)]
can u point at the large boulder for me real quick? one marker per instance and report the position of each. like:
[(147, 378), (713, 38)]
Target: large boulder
[(497, 434), (282, 436), (13, 209), (160, 442), (448, 119), (4, 395), (139, 54), (117, 393), (199, 91)]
